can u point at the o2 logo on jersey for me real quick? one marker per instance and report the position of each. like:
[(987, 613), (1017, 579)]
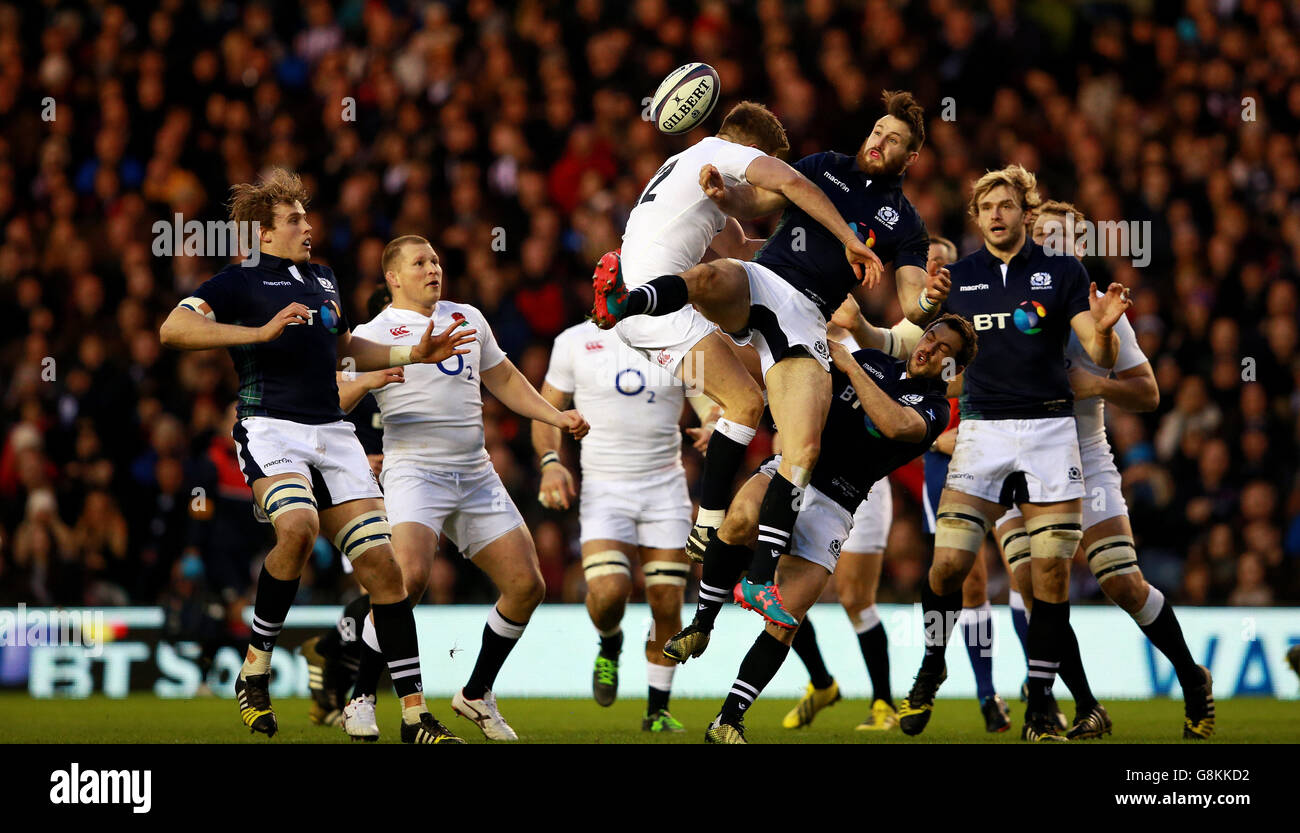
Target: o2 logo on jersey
[(460, 365), (625, 387), (330, 316), (1029, 316)]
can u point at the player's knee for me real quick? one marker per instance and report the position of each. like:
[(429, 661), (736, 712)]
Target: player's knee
[(856, 599), (802, 455), (739, 525), (946, 574), (609, 577), (1054, 536), (528, 590), (746, 406), (297, 530), (415, 581), (959, 526)]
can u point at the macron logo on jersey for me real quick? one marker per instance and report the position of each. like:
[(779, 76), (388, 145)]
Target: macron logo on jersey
[(973, 287), (398, 332), (837, 182)]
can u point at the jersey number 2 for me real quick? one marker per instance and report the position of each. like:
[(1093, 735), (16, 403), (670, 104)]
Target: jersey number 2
[(649, 194)]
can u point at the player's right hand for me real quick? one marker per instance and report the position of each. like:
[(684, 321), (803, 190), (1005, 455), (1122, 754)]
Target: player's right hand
[(556, 491), (866, 265), (295, 313), (938, 281), (573, 422), (841, 357)]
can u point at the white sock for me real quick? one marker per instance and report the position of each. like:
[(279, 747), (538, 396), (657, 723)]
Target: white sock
[(370, 636), (735, 432), (1151, 607), (1015, 601), (867, 619), (660, 676)]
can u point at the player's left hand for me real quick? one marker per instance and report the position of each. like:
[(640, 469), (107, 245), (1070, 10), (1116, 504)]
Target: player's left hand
[(1084, 384), (712, 184), (938, 281), (841, 357), (573, 422), (1107, 309), (866, 265), (435, 348)]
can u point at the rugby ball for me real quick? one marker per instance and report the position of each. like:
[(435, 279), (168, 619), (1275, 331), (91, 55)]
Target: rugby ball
[(685, 98)]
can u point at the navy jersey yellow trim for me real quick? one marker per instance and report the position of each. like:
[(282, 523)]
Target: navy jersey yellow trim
[(291, 377)]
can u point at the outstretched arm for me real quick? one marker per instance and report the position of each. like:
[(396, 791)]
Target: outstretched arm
[(1095, 328), (732, 242), (353, 387), (556, 490), (1134, 389), (770, 178), (518, 394), (370, 355), (188, 329)]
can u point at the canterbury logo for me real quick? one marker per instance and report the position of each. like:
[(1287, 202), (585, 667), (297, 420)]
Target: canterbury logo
[(595, 345), (398, 332)]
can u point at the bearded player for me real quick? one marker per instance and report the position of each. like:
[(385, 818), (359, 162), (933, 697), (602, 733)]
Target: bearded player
[(783, 299), (281, 319)]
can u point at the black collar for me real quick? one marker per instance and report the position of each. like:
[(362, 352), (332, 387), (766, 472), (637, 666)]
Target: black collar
[(987, 258), (274, 263)]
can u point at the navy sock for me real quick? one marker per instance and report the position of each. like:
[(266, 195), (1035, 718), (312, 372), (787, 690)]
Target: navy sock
[(661, 296), (805, 646), (395, 628), (756, 670), (940, 617), (1167, 635), (656, 700), (1020, 621), (274, 598), (500, 635), (723, 564), (612, 646), (1046, 635), (1071, 671), (369, 667), (874, 643), (722, 460), (776, 518), (977, 629)]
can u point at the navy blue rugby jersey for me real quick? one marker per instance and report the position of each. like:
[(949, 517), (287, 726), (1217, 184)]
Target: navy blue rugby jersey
[(813, 261), (854, 453), (1022, 315), (291, 377)]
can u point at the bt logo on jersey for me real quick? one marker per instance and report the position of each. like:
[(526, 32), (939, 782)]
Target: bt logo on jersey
[(1028, 318)]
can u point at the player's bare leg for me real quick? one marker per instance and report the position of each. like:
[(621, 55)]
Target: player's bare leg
[(665, 571), (799, 393), (1113, 560), (961, 522), (359, 529), (804, 582), (607, 566), (511, 562)]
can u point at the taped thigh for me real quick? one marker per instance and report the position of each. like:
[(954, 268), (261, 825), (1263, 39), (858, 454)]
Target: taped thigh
[(665, 572), (606, 563), (1054, 535), (287, 495), (959, 526), (363, 533), (1015, 543), (1112, 556)]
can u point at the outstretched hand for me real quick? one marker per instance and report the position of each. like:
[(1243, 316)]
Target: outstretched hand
[(435, 348), (1109, 308), (712, 184), (938, 281), (866, 265)]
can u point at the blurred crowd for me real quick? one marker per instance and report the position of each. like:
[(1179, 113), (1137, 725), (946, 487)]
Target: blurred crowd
[(514, 136)]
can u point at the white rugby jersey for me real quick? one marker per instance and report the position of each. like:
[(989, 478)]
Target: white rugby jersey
[(435, 417), (1088, 416), (633, 406), (673, 222)]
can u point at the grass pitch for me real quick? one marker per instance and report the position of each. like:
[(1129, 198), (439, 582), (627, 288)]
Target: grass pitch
[(147, 719)]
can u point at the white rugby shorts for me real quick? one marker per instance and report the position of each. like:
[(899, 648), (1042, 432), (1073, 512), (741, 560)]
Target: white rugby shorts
[(1012, 461), (1103, 498), (781, 318), (872, 520), (820, 529), (652, 511), (329, 456), (473, 508), (664, 340)]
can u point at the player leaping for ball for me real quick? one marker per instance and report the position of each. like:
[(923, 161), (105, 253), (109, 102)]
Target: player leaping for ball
[(285, 329), (784, 298), (438, 477), (885, 412), (1016, 443), (672, 228), (1107, 536)]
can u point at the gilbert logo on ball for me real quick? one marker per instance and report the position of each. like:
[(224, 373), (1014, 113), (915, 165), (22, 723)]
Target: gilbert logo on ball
[(1029, 317), (685, 98)]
